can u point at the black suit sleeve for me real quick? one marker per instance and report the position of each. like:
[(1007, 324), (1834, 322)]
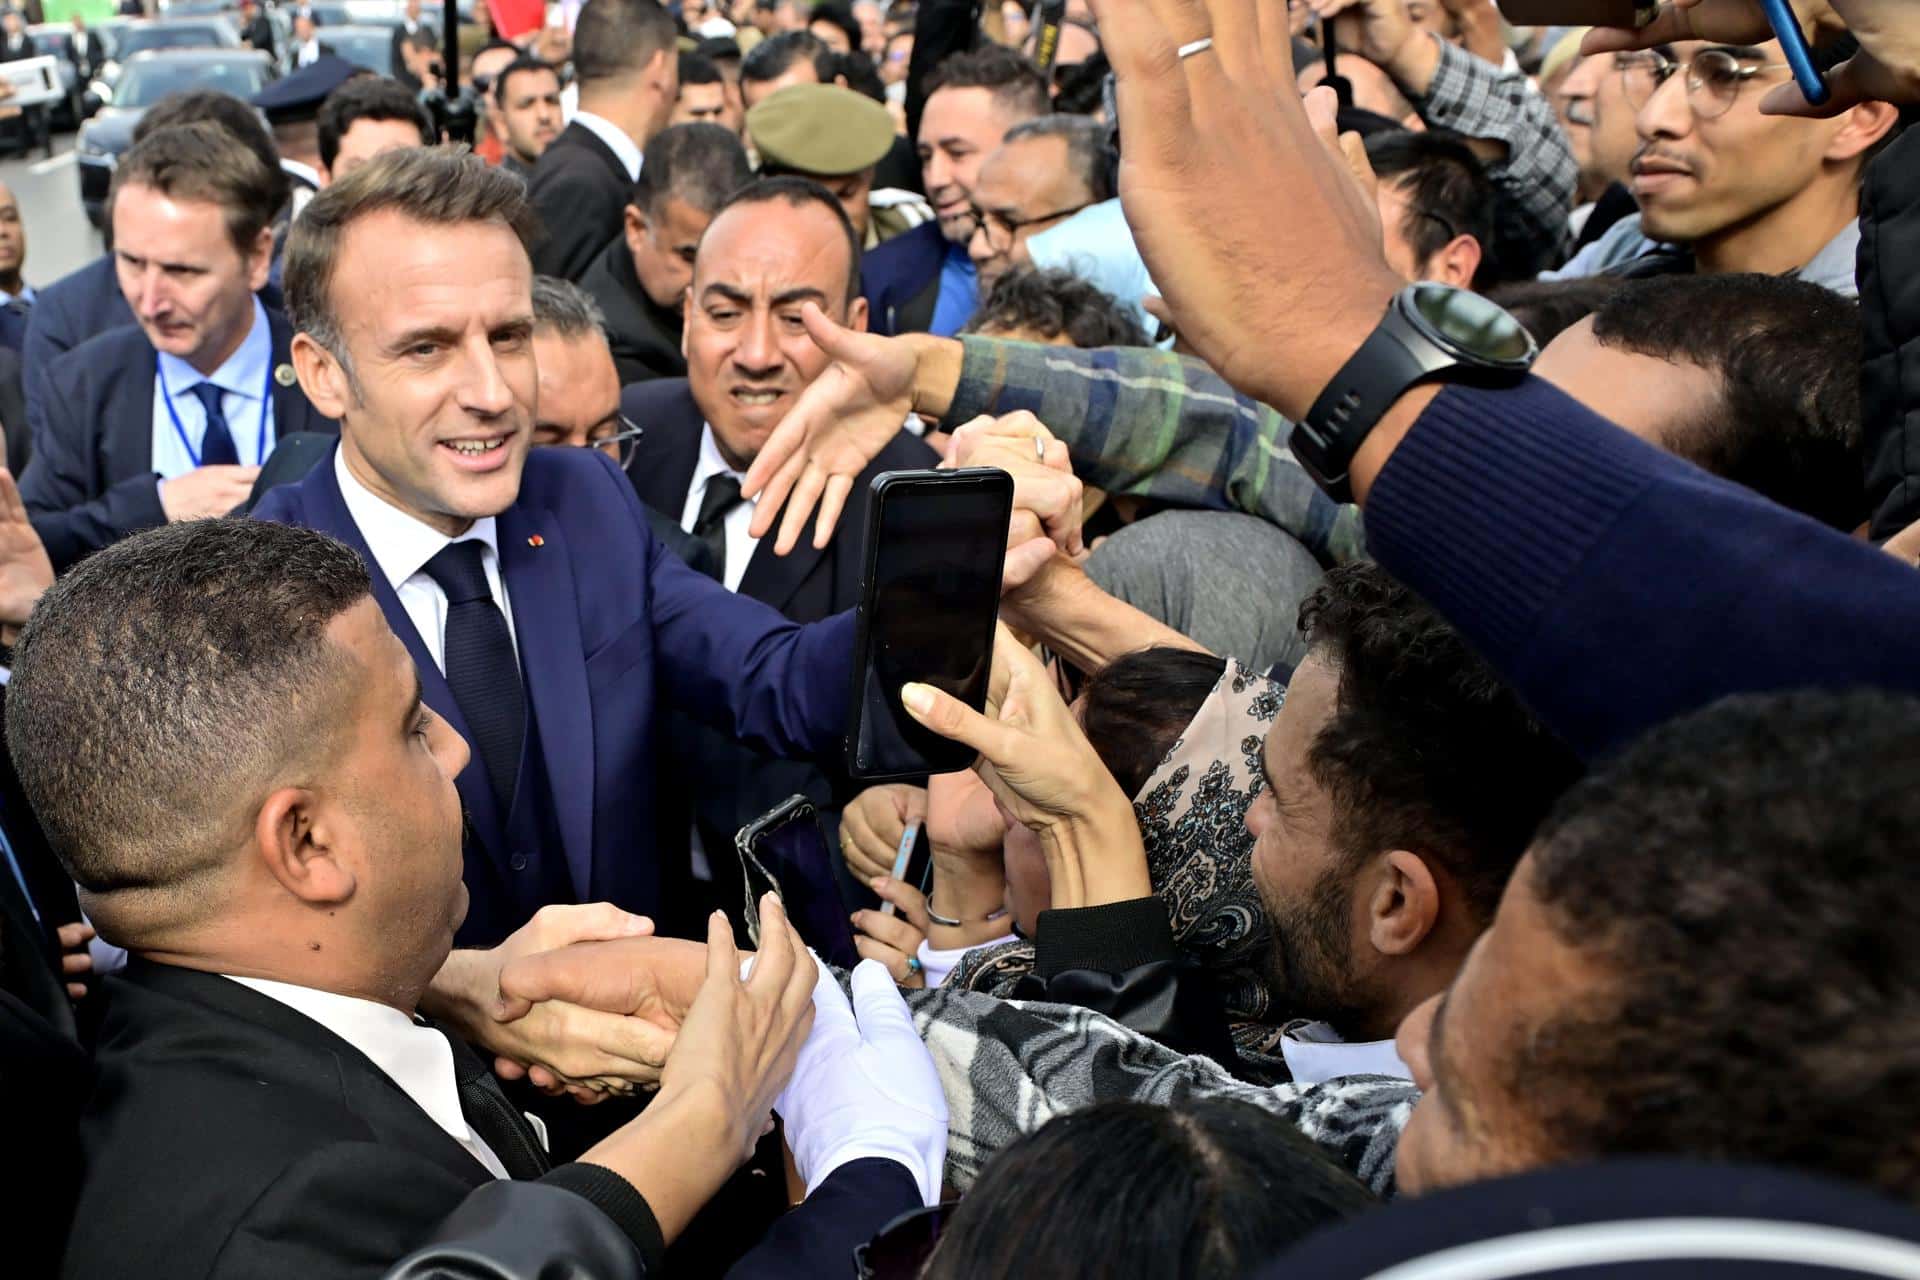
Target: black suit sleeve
[(1890, 362), (558, 1226), (943, 28), (843, 1213), (580, 215), (68, 515), (1120, 959)]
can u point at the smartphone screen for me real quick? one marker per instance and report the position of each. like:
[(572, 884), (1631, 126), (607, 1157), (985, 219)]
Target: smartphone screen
[(935, 543), (1576, 13)]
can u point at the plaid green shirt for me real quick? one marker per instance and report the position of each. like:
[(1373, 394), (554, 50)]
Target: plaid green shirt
[(1149, 424)]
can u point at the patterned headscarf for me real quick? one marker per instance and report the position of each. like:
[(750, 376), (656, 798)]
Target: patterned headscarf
[(1192, 814)]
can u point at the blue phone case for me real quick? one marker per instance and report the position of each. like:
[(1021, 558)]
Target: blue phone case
[(1799, 56)]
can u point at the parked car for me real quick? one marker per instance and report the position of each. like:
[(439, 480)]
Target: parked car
[(144, 80), (140, 35), (368, 45)]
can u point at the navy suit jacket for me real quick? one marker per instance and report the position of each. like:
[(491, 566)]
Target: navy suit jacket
[(608, 623), (65, 314), (901, 280), (91, 480)]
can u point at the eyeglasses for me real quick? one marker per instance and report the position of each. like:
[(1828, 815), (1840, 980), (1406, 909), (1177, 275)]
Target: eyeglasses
[(1714, 78), (620, 445), (901, 1248), (1000, 229)]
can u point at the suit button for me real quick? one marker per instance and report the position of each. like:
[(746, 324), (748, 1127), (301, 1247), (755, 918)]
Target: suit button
[(518, 862)]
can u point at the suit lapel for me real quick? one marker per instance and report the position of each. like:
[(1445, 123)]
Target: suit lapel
[(128, 440), (476, 792), (536, 566), (773, 579), (662, 467)]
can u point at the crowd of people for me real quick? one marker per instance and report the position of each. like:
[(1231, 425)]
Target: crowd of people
[(1439, 790)]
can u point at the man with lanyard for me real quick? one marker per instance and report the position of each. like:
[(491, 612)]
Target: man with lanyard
[(171, 418)]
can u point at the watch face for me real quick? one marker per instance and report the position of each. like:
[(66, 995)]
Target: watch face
[(1470, 325)]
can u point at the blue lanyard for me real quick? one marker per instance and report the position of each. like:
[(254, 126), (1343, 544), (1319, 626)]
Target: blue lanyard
[(266, 407)]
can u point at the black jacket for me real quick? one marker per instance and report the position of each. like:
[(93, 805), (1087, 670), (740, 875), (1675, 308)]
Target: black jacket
[(91, 481), (644, 336), (1120, 959), (580, 190), (901, 280), (729, 783), (1890, 324)]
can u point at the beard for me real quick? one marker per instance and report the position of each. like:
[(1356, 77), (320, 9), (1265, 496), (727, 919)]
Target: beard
[(1309, 965)]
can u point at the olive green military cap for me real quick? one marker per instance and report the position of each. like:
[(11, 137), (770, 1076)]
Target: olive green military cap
[(820, 129)]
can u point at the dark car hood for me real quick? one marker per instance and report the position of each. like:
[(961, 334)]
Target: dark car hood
[(112, 128)]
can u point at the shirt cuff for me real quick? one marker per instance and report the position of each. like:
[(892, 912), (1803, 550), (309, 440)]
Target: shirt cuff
[(1112, 938), (614, 1196), (936, 963)]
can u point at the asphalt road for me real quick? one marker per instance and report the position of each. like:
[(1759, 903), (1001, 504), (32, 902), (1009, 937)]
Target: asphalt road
[(58, 237)]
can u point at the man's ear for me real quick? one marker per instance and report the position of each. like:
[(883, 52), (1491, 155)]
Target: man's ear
[(299, 849), (634, 224), (857, 315), (260, 260), (1456, 263), (1865, 125), (322, 379), (1403, 903)]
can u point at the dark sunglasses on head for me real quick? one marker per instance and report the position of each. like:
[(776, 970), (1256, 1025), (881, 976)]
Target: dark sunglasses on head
[(901, 1248)]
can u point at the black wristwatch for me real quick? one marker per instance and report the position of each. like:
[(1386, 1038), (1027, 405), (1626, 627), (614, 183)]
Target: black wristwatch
[(1430, 331)]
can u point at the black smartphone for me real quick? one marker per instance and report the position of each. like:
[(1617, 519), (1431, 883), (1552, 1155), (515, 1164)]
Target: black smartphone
[(936, 542), (1578, 13), (786, 850)]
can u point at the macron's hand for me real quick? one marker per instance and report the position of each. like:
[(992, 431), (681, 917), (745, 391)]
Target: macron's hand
[(865, 1086)]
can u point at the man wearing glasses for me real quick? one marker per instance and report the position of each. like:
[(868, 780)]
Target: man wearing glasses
[(1043, 172), (1724, 188)]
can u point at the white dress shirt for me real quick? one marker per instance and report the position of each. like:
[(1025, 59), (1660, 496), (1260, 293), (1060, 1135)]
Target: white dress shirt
[(307, 54), (623, 147), (740, 543), (1315, 1052), (27, 295), (402, 545), (243, 381), (416, 1058)]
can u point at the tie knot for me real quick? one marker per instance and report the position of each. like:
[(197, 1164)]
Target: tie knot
[(209, 397), (460, 573), (722, 496)]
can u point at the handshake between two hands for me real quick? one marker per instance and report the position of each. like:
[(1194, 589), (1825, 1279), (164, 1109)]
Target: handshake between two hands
[(584, 1000)]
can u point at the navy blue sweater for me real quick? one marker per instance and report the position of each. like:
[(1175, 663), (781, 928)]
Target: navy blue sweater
[(1615, 586)]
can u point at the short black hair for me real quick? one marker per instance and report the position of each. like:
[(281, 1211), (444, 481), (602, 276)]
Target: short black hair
[(839, 15), (1138, 706), (699, 163), (1427, 750), (1016, 83), (211, 106), (614, 38), (1056, 303), (1087, 148), (770, 59), (524, 63), (1447, 188), (368, 98), (1548, 308), (1788, 354), (165, 681), (698, 69), (1740, 881), (800, 192), (1201, 1189)]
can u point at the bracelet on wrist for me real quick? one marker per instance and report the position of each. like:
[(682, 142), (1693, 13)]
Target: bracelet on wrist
[(948, 922)]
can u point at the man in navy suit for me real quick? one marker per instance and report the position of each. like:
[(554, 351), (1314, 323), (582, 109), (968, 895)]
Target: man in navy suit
[(545, 618), (87, 302), (171, 419)]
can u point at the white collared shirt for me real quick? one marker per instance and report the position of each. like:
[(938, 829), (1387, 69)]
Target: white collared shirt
[(1315, 1052), (27, 295), (623, 147), (242, 380), (740, 543), (402, 545), (416, 1058)]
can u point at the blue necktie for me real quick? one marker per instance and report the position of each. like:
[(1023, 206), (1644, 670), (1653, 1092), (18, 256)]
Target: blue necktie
[(481, 669), (216, 446)]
